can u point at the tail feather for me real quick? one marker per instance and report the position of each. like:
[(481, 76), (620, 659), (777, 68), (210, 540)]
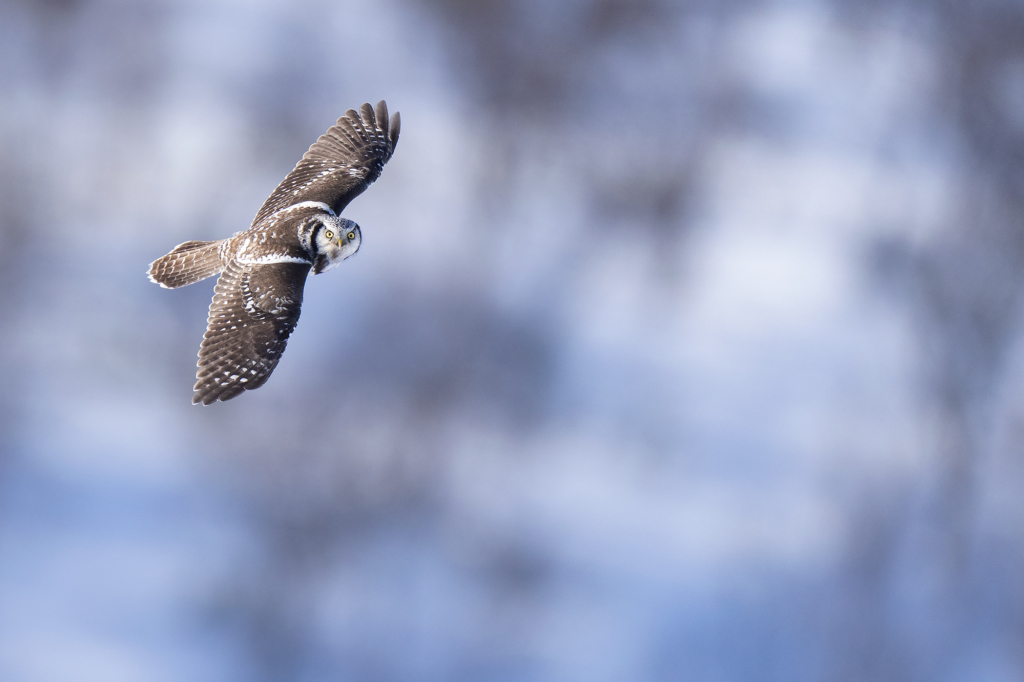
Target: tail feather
[(187, 264)]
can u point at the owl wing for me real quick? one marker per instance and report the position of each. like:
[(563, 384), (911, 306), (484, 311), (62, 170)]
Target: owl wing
[(341, 164), (254, 310)]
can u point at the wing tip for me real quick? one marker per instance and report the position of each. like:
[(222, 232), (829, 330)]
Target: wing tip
[(395, 128), (381, 111), (368, 115), (207, 394)]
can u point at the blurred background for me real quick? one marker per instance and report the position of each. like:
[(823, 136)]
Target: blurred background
[(684, 344)]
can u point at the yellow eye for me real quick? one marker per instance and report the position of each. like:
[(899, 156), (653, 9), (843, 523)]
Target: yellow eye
[(330, 235), (351, 236)]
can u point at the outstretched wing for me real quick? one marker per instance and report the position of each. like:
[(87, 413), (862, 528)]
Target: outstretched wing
[(341, 164), (254, 310)]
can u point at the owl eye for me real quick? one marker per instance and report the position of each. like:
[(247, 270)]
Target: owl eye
[(351, 235), (330, 235)]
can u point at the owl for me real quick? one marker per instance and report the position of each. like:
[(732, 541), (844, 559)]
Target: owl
[(258, 296)]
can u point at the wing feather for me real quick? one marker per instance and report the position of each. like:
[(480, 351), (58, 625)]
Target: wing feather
[(254, 310), (382, 118), (368, 115), (396, 127), (341, 164)]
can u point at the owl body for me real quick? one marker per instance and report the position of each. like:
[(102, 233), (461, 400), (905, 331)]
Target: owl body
[(303, 233), (263, 270)]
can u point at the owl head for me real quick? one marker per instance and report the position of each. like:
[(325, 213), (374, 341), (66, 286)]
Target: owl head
[(333, 240)]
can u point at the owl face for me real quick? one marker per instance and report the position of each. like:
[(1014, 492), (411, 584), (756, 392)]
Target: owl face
[(336, 240)]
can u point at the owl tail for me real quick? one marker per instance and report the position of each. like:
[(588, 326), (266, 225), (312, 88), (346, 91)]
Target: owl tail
[(187, 264)]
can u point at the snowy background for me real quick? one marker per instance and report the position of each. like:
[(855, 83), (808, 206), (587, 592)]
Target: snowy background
[(684, 343)]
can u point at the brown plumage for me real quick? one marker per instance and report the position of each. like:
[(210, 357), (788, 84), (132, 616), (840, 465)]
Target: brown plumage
[(342, 163), (258, 297)]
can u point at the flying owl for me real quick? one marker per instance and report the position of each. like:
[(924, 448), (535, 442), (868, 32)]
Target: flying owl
[(258, 296)]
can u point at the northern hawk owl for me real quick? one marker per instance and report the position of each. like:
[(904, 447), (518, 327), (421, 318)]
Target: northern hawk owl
[(262, 270)]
